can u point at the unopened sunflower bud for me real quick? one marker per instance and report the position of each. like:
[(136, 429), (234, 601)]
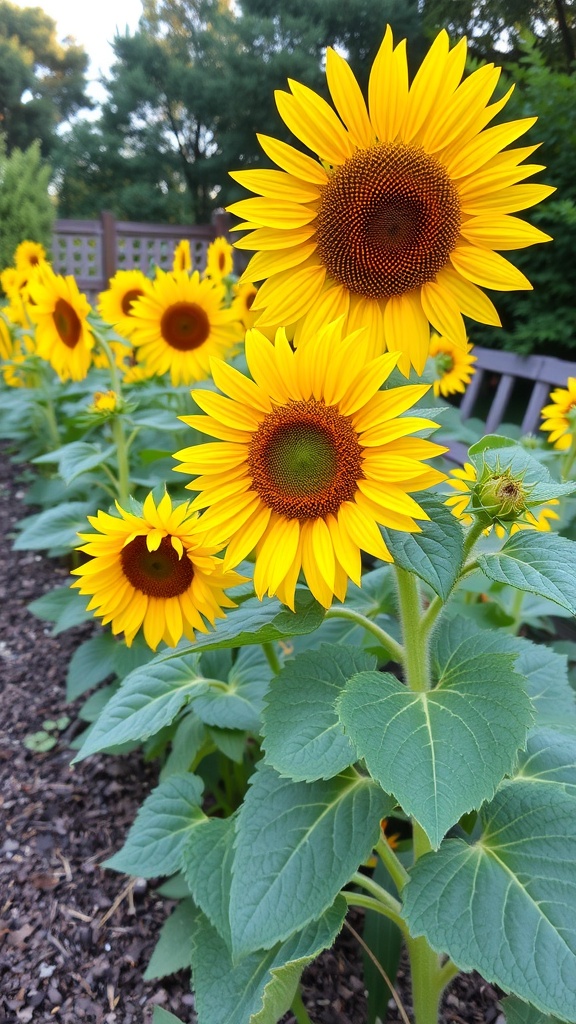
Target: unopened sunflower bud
[(502, 497)]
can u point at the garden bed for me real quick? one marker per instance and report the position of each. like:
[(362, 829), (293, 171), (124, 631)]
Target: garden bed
[(75, 939)]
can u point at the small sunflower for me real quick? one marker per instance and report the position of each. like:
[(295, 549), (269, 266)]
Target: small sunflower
[(244, 295), (182, 256), (219, 259), (180, 324), (560, 416), (29, 255), (398, 224), (115, 304), (454, 367), (63, 335), (504, 500), (155, 570), (104, 403), (311, 457)]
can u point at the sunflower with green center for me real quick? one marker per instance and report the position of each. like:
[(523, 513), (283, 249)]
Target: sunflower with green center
[(156, 570), (115, 304), (453, 366), (63, 335), (182, 256), (398, 225), (219, 259), (502, 499), (180, 324), (29, 255), (311, 457), (560, 416)]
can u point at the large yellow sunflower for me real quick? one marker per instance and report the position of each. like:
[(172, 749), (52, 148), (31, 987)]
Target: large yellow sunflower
[(115, 304), (63, 335), (560, 416), (180, 324), (155, 570), (454, 366), (219, 259), (396, 227), (311, 458)]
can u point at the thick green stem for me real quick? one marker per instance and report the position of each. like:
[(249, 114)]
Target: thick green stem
[(299, 1010), (425, 972), (122, 461), (272, 657), (375, 890), (474, 533), (568, 460), (394, 649), (415, 646), (394, 867), (51, 421)]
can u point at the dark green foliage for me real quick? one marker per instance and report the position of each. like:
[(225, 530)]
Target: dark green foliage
[(42, 82), (26, 209)]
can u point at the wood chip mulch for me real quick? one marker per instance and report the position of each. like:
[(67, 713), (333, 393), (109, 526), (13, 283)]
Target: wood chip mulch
[(75, 939)]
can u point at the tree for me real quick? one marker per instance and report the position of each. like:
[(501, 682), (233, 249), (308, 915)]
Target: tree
[(42, 83), (26, 209)]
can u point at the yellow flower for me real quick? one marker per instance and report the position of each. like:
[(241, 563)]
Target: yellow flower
[(135, 374), (5, 340), (29, 255), (18, 372), (559, 417), (9, 281), (512, 512), (121, 350), (182, 256), (104, 402), (63, 335), (156, 570), (115, 304), (219, 259), (179, 324), (244, 295), (311, 457), (397, 225), (453, 366)]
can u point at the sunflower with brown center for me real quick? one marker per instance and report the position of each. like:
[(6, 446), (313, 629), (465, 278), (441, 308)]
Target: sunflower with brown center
[(180, 324), (63, 335), (156, 570), (182, 256), (29, 255), (398, 225), (115, 304), (219, 259), (454, 367), (311, 457)]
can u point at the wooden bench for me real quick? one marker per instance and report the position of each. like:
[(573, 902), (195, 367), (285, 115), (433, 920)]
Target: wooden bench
[(545, 372)]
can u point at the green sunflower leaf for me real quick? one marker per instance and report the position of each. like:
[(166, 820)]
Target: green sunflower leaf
[(297, 844), (62, 606), (435, 554), (303, 737), (173, 951), (90, 664), (77, 458), (254, 622), (519, 1012), (236, 701), (162, 828), (260, 988), (514, 889), (55, 527), (148, 699), (540, 563), (442, 752), (207, 860)]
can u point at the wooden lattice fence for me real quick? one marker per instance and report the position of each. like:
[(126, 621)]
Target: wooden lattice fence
[(93, 250)]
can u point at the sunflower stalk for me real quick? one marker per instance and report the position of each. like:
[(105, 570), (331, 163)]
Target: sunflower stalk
[(394, 649), (118, 433)]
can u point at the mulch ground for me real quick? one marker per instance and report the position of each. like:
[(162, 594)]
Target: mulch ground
[(75, 940)]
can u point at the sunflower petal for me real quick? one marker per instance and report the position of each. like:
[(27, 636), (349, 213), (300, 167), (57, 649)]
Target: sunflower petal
[(388, 88), (298, 164), (347, 98), (407, 331), (486, 268)]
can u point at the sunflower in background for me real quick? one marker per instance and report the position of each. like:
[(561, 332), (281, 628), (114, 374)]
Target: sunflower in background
[(115, 304), (560, 416), (156, 571), (244, 295), (182, 256), (64, 337), (6, 347), (29, 255), (453, 366), (180, 324), (219, 259), (398, 223), (311, 458)]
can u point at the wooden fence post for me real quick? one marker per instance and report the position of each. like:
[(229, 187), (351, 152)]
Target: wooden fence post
[(221, 222), (108, 245)]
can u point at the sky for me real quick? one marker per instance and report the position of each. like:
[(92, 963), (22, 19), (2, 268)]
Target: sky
[(93, 26)]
